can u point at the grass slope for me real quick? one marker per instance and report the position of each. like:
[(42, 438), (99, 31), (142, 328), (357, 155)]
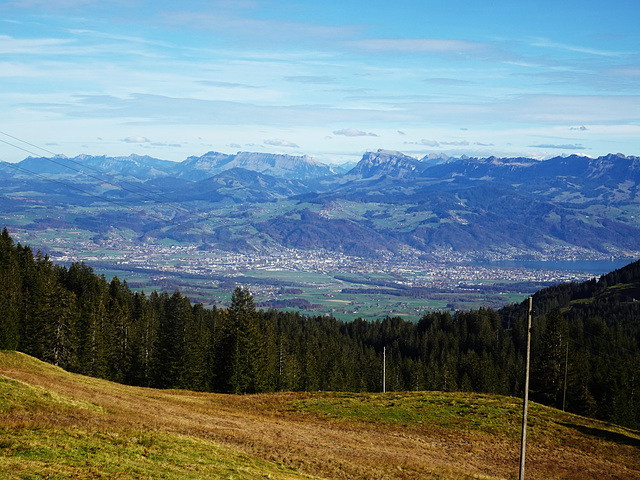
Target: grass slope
[(54, 424)]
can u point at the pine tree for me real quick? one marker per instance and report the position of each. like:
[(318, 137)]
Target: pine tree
[(144, 339), (194, 376), (57, 316), (10, 294), (241, 335), (550, 357), (172, 341)]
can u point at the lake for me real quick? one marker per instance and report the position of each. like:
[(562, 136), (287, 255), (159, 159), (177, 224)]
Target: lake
[(594, 267)]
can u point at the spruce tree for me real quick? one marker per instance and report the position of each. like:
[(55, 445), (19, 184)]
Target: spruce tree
[(242, 336)]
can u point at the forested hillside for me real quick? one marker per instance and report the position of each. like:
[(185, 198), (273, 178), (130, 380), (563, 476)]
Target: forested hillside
[(80, 321)]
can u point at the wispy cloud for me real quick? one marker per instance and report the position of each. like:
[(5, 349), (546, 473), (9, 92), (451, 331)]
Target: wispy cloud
[(448, 82), (319, 79), (567, 146), (242, 24), (52, 5), (160, 109), (629, 71), (417, 45), (243, 71), (217, 84), (436, 143), (576, 49), (163, 144), (34, 46)]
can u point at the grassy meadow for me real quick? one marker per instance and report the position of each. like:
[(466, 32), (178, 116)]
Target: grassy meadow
[(58, 425)]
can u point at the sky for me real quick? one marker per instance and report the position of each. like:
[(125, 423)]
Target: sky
[(331, 79)]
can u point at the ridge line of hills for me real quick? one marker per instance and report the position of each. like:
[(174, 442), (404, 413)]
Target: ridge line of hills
[(379, 163), (562, 208)]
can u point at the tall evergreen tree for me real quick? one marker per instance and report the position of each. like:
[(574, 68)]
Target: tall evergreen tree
[(549, 365), (242, 337), (57, 318), (10, 294)]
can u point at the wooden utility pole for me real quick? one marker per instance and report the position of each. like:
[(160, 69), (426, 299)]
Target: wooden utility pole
[(526, 392), (384, 369), (566, 368)]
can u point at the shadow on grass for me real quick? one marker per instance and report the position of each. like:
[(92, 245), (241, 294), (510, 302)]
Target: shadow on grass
[(615, 437)]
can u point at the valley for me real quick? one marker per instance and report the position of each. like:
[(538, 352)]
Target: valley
[(330, 283)]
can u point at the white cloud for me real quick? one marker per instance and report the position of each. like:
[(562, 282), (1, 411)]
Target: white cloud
[(353, 132), (136, 140), (281, 143)]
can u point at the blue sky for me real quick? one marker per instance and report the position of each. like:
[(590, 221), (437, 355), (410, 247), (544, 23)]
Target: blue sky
[(330, 79)]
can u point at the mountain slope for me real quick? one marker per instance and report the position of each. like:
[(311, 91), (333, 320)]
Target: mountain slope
[(241, 186)]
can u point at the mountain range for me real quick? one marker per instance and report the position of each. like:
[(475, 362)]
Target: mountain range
[(388, 202)]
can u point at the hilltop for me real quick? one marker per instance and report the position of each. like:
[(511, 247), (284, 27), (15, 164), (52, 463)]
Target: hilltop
[(57, 423)]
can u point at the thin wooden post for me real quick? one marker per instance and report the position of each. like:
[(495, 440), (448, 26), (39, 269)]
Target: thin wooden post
[(526, 392), (384, 369), (566, 368)]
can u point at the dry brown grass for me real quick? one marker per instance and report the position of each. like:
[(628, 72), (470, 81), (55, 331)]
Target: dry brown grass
[(343, 435)]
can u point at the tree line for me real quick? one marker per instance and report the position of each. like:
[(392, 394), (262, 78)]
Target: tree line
[(585, 346)]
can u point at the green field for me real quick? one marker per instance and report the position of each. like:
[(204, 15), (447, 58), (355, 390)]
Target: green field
[(323, 290)]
